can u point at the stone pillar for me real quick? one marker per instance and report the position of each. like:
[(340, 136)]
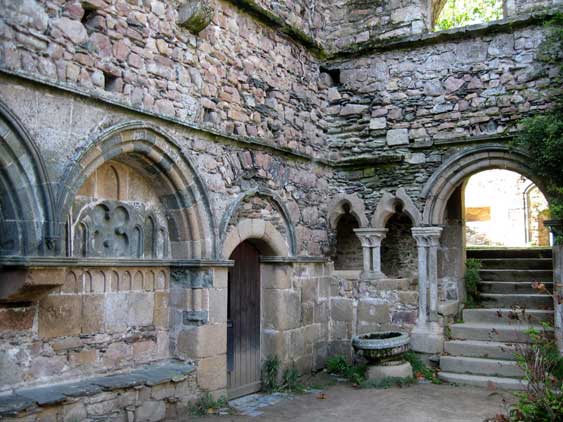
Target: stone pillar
[(371, 244), (422, 246), (556, 228), (428, 335)]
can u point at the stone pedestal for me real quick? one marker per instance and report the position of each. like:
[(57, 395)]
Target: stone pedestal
[(393, 369), (428, 338)]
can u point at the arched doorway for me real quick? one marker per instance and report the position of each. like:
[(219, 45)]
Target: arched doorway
[(243, 321)]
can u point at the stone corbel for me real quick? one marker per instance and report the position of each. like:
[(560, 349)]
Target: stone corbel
[(195, 15), (371, 245), (29, 284)]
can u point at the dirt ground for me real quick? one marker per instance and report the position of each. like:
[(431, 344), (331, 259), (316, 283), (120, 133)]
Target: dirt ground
[(343, 403)]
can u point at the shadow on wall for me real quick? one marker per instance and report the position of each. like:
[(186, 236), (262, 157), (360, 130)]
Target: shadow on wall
[(348, 246), (398, 249)]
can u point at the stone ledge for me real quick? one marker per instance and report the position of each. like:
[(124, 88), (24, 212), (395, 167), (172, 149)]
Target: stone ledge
[(21, 400)]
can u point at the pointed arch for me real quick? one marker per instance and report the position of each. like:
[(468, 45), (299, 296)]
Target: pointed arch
[(357, 209), (26, 200), (387, 207), (159, 158)]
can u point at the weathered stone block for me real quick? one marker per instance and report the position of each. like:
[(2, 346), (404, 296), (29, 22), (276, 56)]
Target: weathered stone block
[(408, 297), (92, 314), (275, 343), (282, 309), (378, 123), (116, 312), (195, 15), (60, 316), (218, 305), (150, 411), (16, 319), (141, 309), (276, 276), (371, 311), (341, 309), (212, 373), (203, 341), (220, 278), (309, 289), (397, 137), (161, 311)]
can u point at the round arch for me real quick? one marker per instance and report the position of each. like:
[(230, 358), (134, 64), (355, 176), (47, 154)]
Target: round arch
[(460, 166), (156, 156), (263, 233), (230, 212), (27, 213)]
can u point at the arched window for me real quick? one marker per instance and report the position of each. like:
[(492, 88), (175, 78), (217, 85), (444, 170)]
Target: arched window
[(348, 246), (448, 14)]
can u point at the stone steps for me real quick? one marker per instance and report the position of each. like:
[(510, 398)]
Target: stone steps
[(492, 332), (508, 287), (484, 381), (532, 301), (509, 316), (512, 275), (481, 366), (510, 253), (480, 349), (516, 263)]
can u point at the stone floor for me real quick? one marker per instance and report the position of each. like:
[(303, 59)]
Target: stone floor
[(418, 403)]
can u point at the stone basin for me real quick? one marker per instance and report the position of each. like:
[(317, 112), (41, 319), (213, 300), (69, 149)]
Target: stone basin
[(382, 346)]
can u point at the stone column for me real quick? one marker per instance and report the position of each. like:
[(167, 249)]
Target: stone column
[(433, 236), (556, 228), (371, 244), (428, 335), (422, 246)]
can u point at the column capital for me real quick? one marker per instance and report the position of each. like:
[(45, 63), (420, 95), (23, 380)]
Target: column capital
[(427, 235), (373, 236)]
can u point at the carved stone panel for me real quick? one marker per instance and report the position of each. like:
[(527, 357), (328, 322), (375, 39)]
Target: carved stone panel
[(115, 229)]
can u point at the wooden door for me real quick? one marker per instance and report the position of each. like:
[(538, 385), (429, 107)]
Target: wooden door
[(243, 332)]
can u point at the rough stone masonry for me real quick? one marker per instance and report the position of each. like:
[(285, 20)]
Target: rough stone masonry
[(143, 141)]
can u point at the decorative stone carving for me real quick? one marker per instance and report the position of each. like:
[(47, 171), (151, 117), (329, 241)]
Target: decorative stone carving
[(115, 229), (195, 15), (371, 244)]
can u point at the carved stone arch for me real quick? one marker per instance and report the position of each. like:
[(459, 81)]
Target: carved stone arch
[(26, 201), (156, 156), (357, 209), (267, 238), (460, 166), (234, 206), (387, 206)]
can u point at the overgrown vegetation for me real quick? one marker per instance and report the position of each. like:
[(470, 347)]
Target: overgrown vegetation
[(543, 365), (458, 13), (541, 136), (472, 279), (206, 405), (338, 365), (421, 370), (290, 381)]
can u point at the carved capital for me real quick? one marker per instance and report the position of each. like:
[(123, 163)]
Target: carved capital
[(371, 237), (427, 236)]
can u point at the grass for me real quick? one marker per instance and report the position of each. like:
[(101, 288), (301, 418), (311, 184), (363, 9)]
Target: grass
[(420, 369), (206, 405)]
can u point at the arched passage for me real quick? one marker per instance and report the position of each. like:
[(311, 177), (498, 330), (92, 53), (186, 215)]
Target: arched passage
[(161, 161)]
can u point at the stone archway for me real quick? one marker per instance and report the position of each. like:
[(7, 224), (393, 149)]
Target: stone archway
[(158, 158)]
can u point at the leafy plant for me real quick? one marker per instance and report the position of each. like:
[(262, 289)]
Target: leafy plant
[(420, 369), (458, 13), (338, 365), (543, 366), (206, 404), (472, 279), (291, 381), (270, 374)]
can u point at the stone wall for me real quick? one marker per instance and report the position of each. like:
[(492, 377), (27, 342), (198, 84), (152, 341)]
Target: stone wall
[(138, 56)]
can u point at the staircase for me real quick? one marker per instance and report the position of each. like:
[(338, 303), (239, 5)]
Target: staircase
[(480, 350)]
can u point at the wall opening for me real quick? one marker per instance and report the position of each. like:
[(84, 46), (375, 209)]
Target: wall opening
[(398, 249), (504, 209), (348, 246), (449, 14)]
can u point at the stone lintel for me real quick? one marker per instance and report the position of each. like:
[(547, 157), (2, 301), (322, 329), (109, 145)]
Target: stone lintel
[(29, 284)]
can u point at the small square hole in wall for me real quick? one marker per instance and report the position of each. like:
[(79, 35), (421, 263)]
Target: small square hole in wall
[(111, 82), (334, 74)]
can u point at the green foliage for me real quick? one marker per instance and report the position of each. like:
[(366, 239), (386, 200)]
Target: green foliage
[(541, 136), (338, 365), (543, 366), (270, 371), (206, 404), (420, 369), (458, 13), (291, 381), (472, 279), (387, 382)]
